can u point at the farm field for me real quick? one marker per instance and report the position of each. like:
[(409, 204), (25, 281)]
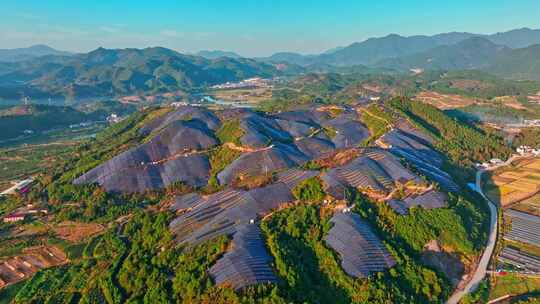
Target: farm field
[(530, 205), (20, 162), (510, 101), (20, 267), (254, 95), (534, 98), (510, 186), (513, 284)]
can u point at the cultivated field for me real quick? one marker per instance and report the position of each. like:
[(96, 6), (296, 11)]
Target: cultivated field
[(254, 95), (516, 184), (534, 98), (23, 266), (510, 101), (530, 205), (513, 284), (444, 101), (21, 162)]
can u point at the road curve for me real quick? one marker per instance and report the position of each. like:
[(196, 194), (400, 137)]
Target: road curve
[(481, 269)]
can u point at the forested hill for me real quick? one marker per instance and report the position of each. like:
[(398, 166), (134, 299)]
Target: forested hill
[(14, 121), (110, 72)]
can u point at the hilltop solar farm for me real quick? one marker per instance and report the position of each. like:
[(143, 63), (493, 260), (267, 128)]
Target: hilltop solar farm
[(182, 144), (303, 205)]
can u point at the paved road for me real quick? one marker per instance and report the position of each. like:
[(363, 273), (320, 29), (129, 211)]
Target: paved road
[(481, 269)]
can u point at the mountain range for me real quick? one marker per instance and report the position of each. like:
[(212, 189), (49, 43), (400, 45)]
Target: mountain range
[(114, 72), (215, 54), (373, 50), (21, 54), (106, 72)]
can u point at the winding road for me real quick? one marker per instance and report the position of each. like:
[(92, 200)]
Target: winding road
[(481, 269)]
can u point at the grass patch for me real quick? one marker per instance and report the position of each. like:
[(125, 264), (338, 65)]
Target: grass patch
[(310, 190), (230, 132), (514, 285), (377, 121)]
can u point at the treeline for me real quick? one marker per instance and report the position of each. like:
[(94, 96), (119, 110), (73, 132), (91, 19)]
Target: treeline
[(139, 264), (462, 143), (310, 272)]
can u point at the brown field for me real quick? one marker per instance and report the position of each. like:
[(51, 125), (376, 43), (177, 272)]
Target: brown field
[(535, 98), (510, 101), (255, 95), (510, 186), (530, 205), (20, 267), (469, 84), (76, 232), (444, 101)]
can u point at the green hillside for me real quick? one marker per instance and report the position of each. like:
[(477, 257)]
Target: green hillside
[(105, 72)]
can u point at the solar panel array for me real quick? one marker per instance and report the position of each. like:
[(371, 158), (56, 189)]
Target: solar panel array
[(360, 250), (234, 212), (261, 131), (417, 151), (315, 147), (525, 227), (247, 263), (291, 178), (183, 113), (374, 169), (165, 159), (278, 157), (182, 138), (350, 132), (414, 144), (220, 213), (428, 200), (521, 260)]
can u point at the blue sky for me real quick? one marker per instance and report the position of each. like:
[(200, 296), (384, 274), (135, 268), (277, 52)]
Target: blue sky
[(251, 28)]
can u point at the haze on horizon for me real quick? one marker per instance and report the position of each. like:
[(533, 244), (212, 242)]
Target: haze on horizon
[(250, 28)]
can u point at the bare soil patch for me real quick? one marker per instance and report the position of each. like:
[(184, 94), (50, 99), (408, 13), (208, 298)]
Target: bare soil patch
[(444, 101), (23, 266), (76, 232)]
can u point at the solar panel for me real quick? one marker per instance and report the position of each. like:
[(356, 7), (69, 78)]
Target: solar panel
[(247, 263), (360, 250)]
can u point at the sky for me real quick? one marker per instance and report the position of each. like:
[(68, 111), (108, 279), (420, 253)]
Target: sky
[(248, 27)]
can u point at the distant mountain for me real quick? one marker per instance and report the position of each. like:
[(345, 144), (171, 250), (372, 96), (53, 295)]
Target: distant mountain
[(374, 50), (521, 64), (371, 50), (472, 53), (106, 72), (217, 54), (333, 50), (519, 38), (21, 54), (291, 57), (391, 46)]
